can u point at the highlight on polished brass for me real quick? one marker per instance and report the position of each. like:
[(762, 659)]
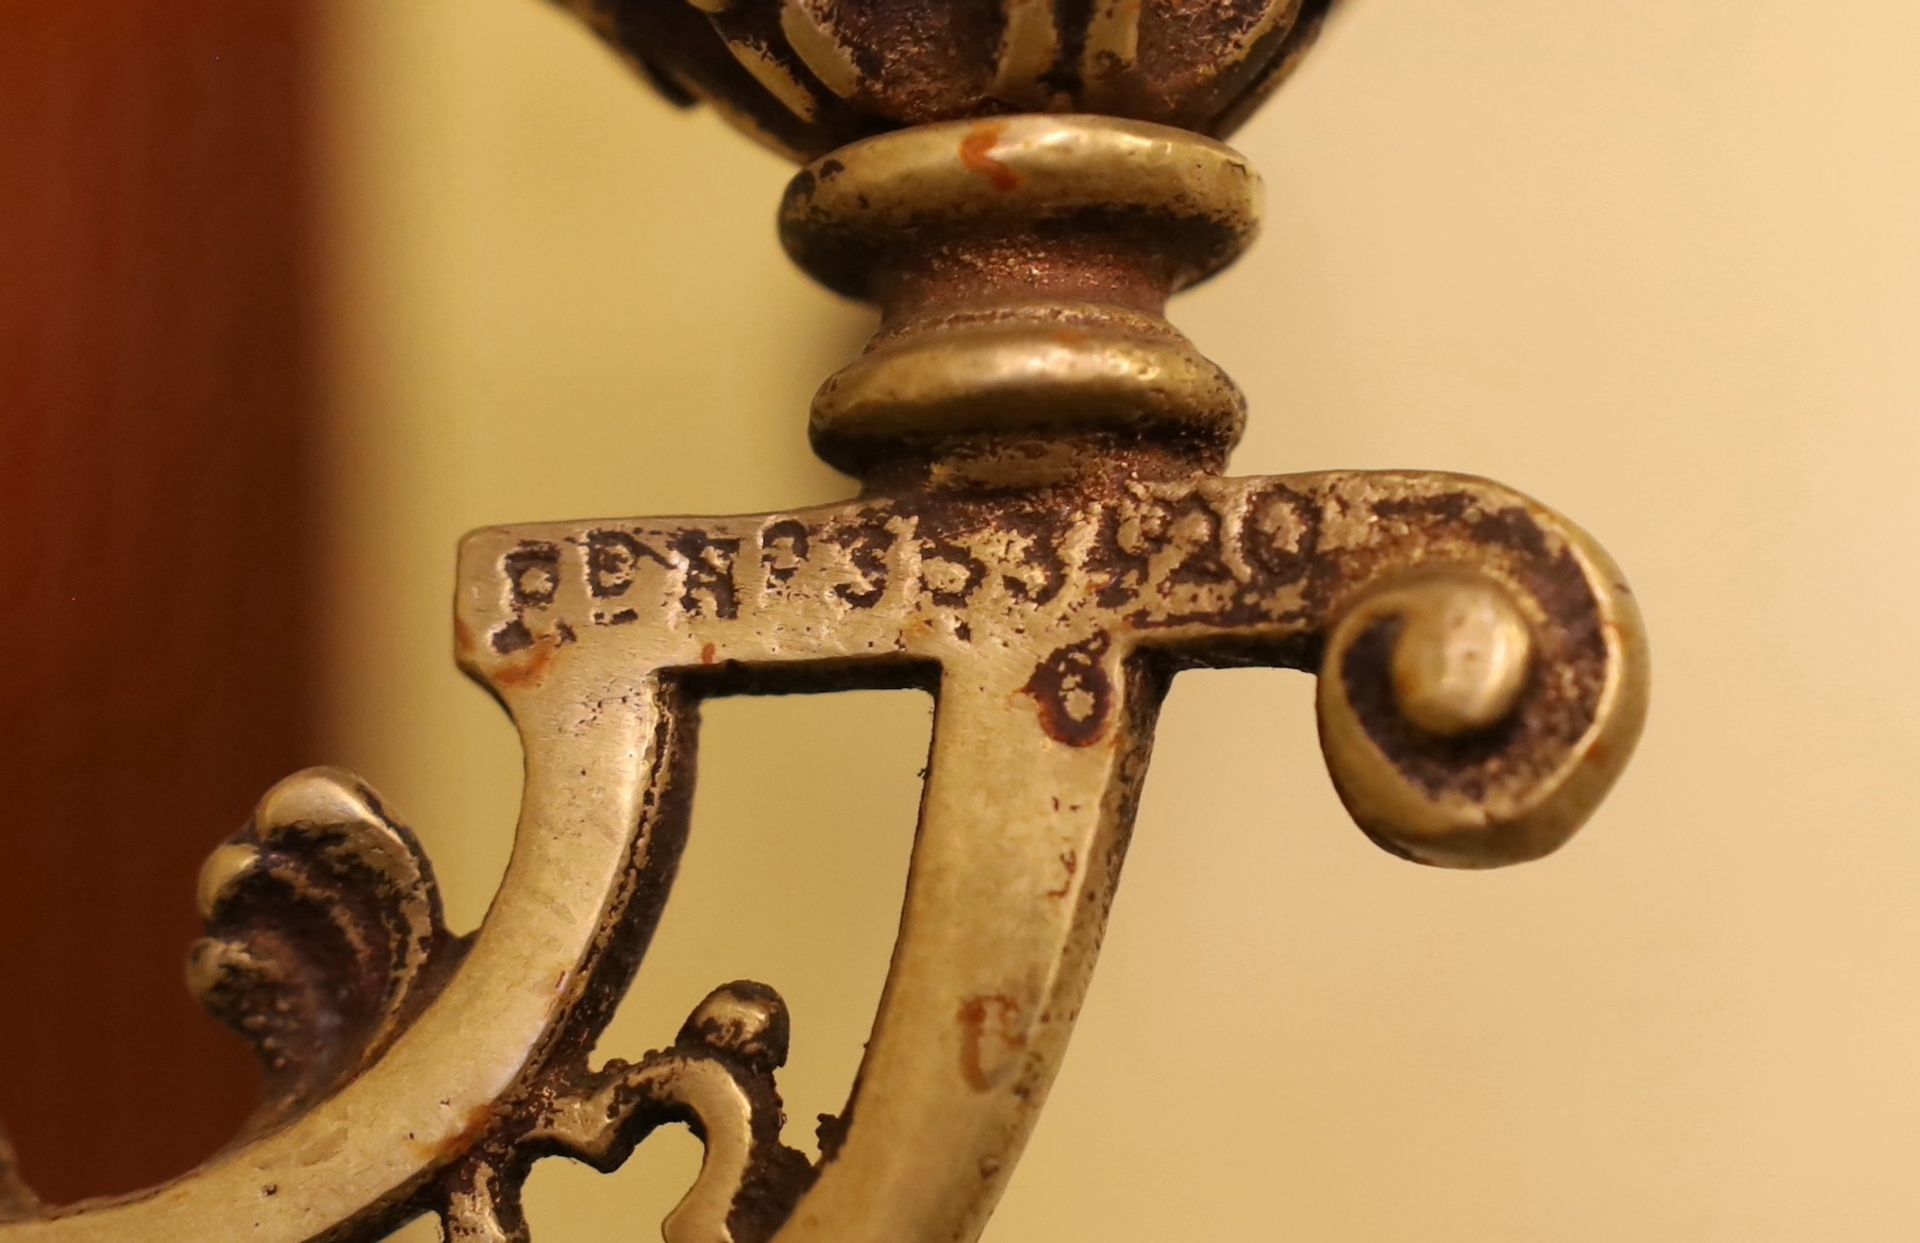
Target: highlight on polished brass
[(1043, 539)]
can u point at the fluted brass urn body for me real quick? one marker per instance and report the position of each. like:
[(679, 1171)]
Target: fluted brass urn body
[(808, 76), (1043, 539)]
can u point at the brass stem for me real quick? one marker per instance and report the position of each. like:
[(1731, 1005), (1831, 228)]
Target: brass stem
[(1021, 267)]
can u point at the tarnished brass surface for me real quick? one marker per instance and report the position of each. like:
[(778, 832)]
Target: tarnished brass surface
[(1043, 541), (807, 76), (1022, 266)]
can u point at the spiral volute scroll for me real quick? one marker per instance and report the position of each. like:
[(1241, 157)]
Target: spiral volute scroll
[(1466, 725)]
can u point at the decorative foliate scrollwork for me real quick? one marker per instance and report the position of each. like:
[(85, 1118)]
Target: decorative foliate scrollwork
[(717, 1078), (324, 934)]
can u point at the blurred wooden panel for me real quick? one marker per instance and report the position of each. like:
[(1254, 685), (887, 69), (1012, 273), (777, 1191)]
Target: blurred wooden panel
[(156, 408)]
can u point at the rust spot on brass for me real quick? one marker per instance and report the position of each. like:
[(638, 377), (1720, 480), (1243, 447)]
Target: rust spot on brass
[(528, 669), (471, 1132), (1073, 692), (990, 1036), (1070, 860), (976, 152)]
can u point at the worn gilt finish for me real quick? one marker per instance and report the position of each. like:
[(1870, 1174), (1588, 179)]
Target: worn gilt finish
[(1043, 540)]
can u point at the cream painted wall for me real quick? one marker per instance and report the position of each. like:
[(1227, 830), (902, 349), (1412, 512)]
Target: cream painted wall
[(1657, 263)]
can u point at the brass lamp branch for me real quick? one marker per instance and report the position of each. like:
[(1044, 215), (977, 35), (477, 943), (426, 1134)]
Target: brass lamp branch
[(1043, 539)]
